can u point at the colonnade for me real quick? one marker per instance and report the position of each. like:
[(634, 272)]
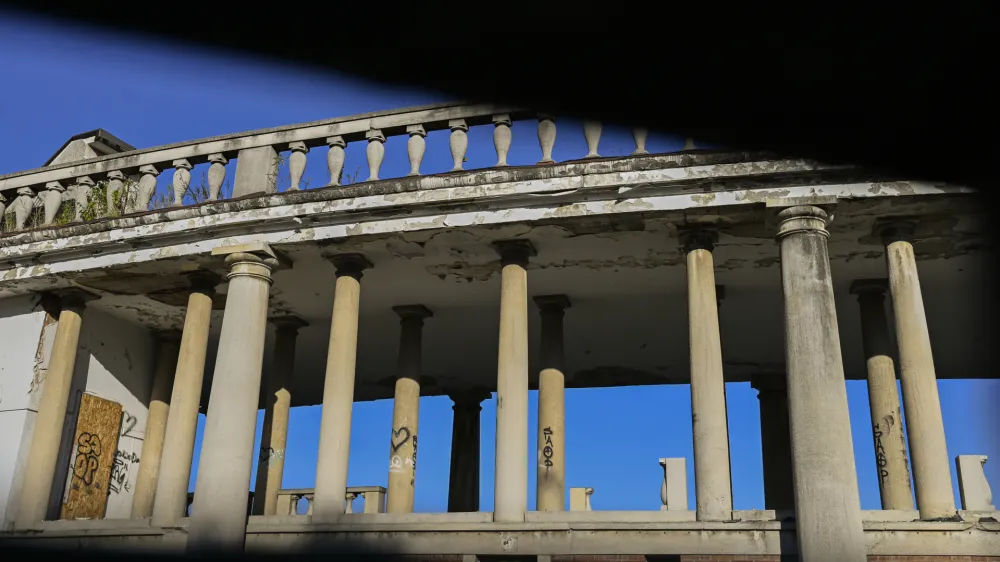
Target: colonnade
[(808, 451)]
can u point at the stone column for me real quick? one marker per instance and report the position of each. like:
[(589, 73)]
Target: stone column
[(221, 492), (156, 426), (827, 506), (713, 488), (883, 397), (551, 488), (278, 403), (463, 478), (405, 410), (170, 503), (511, 481), (775, 441), (68, 306), (338, 389), (924, 425)]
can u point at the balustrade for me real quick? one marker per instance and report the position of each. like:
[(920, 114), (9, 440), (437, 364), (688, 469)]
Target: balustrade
[(373, 496), (126, 183)]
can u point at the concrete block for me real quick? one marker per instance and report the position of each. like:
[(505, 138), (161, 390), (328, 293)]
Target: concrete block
[(673, 490), (973, 488), (579, 499), (256, 171)]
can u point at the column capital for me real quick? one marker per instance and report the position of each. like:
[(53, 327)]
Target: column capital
[(767, 383), (254, 252), (697, 238), (895, 229), (203, 281), (869, 288), (412, 312), (288, 323), (801, 214), (70, 298), (469, 398), (350, 264), (552, 303), (517, 251)]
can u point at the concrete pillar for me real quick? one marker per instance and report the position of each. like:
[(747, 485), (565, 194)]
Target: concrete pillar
[(713, 487), (551, 485), (170, 503), (156, 426), (827, 506), (775, 441), (406, 410), (463, 478), (511, 481), (338, 389), (68, 306), (883, 397), (221, 491), (277, 404), (924, 424)]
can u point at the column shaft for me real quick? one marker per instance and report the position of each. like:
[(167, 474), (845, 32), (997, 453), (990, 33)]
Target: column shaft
[(775, 442), (713, 488), (156, 428), (463, 478), (924, 423), (278, 403), (219, 512), (47, 434), (551, 485), (827, 506), (883, 398), (405, 411), (170, 502), (338, 391), (511, 473)]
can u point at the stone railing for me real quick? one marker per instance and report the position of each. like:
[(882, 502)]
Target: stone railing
[(125, 183), (373, 496)]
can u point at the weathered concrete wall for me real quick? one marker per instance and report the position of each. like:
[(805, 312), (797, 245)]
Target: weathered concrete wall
[(21, 321), (115, 361)]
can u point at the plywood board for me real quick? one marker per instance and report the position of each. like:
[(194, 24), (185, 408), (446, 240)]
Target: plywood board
[(94, 446)]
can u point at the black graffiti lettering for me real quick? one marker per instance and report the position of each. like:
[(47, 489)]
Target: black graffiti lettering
[(880, 460)]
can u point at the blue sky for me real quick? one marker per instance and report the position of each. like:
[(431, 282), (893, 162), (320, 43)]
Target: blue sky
[(59, 81)]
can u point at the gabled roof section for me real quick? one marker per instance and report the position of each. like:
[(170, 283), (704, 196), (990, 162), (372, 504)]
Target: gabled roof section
[(104, 143)]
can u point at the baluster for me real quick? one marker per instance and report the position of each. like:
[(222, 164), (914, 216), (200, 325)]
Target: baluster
[(546, 136), (349, 497), (52, 199), (297, 163), (501, 137), (592, 132), (182, 179), (415, 147), (116, 181), (3, 208), (312, 501), (147, 186), (84, 185), (458, 141), (688, 144), (375, 151), (22, 205), (216, 175), (335, 158), (639, 135)]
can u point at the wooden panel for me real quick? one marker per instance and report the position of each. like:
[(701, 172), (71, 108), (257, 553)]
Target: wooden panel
[(94, 445)]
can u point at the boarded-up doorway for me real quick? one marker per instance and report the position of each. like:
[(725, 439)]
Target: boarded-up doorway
[(94, 445)]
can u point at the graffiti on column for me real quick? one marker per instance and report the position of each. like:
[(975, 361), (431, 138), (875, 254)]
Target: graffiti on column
[(547, 450), (880, 459), (268, 454), (399, 438)]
